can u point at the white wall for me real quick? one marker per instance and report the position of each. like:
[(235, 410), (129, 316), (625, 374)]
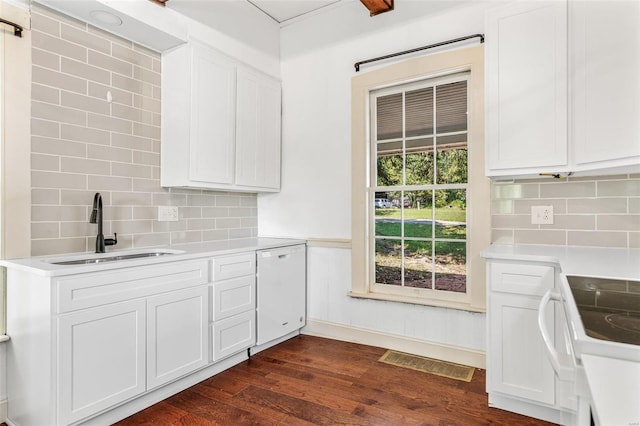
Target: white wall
[(317, 57)]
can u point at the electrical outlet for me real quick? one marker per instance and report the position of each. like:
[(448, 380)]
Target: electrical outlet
[(167, 213), (542, 215)]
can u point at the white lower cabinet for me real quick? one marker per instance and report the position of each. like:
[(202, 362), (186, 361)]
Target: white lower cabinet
[(233, 334), (520, 377), (233, 304), (176, 334), (101, 353)]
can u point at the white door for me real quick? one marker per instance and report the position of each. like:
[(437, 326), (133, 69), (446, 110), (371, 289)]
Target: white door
[(176, 334), (257, 130), (605, 65), (519, 364), (212, 138), (526, 87), (101, 353)]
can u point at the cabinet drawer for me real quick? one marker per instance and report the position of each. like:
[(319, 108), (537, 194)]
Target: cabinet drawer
[(237, 265), (533, 280), (231, 297), (100, 288), (232, 335)]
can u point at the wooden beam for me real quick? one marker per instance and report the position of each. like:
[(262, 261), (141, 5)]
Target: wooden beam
[(377, 6)]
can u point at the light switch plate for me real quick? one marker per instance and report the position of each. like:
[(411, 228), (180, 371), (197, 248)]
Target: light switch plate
[(167, 213), (542, 215)]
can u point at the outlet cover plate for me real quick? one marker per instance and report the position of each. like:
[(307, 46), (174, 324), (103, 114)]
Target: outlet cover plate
[(167, 213), (542, 215)]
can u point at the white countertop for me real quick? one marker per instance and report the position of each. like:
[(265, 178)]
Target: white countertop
[(42, 265), (596, 262)]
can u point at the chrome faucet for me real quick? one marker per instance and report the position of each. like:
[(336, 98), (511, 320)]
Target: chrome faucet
[(96, 217)]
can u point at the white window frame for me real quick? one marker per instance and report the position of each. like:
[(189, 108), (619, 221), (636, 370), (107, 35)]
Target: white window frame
[(478, 193), (372, 186), (15, 144)]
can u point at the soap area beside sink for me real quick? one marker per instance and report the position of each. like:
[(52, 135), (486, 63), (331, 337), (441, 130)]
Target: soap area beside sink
[(148, 323)]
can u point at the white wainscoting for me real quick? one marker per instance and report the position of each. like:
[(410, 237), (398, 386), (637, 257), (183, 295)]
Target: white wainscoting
[(448, 334)]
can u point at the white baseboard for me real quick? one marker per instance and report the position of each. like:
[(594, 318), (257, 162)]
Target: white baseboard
[(465, 356)]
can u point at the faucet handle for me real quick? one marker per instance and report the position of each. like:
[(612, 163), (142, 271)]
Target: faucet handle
[(111, 241)]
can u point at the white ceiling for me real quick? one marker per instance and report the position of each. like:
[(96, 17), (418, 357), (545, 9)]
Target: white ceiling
[(283, 10), (278, 10)]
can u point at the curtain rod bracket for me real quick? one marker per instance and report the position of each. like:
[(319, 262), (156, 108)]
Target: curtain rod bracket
[(17, 29), (417, 49)]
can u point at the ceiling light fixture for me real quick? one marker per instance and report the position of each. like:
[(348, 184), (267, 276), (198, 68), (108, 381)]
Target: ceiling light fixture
[(377, 6), (106, 18)]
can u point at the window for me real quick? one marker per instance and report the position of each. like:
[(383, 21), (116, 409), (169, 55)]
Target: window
[(418, 175)]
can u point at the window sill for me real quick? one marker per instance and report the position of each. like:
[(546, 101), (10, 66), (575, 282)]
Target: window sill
[(413, 301), (4, 338)]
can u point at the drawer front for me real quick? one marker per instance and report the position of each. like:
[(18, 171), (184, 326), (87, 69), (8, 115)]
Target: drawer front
[(100, 288), (521, 278), (238, 265), (231, 297), (232, 335)]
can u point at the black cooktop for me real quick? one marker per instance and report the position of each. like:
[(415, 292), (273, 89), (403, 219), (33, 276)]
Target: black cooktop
[(609, 309)]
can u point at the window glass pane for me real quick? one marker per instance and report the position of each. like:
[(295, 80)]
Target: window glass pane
[(389, 170), (451, 213), (418, 264), (451, 107), (419, 161), (416, 207), (388, 268), (389, 117), (419, 112), (451, 165), (451, 268), (388, 214)]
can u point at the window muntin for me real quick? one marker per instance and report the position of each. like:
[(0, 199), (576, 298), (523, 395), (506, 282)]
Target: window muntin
[(419, 163)]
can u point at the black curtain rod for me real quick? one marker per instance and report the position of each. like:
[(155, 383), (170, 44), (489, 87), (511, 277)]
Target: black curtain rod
[(17, 29), (417, 49)]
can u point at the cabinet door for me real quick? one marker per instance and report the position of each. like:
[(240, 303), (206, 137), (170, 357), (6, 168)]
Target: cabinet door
[(258, 130), (232, 335), (101, 353), (517, 364), (605, 60), (176, 334), (526, 88), (212, 138)]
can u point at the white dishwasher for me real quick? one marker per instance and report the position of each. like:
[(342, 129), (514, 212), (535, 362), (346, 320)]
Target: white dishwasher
[(281, 286)]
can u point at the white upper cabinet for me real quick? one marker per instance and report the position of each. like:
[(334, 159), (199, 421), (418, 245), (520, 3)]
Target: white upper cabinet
[(563, 88), (220, 123), (257, 130), (526, 82), (605, 75)]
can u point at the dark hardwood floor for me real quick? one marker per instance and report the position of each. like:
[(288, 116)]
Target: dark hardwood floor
[(310, 380)]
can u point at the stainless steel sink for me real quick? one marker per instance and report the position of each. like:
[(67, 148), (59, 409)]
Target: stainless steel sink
[(116, 258)]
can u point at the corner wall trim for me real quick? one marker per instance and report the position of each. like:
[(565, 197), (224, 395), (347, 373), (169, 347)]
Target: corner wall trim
[(459, 355)]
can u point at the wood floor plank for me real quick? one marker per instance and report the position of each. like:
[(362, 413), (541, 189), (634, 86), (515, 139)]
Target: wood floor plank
[(313, 381)]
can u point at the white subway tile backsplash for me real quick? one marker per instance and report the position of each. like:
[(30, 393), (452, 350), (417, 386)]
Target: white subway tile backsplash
[(106, 122), (624, 188), (46, 128), (82, 37), (108, 183), (56, 45), (588, 211), (82, 144), (57, 113), (567, 189), (83, 102), (57, 146), (45, 94), (597, 239)]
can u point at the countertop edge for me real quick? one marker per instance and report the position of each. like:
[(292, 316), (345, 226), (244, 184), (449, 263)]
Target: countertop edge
[(39, 265)]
